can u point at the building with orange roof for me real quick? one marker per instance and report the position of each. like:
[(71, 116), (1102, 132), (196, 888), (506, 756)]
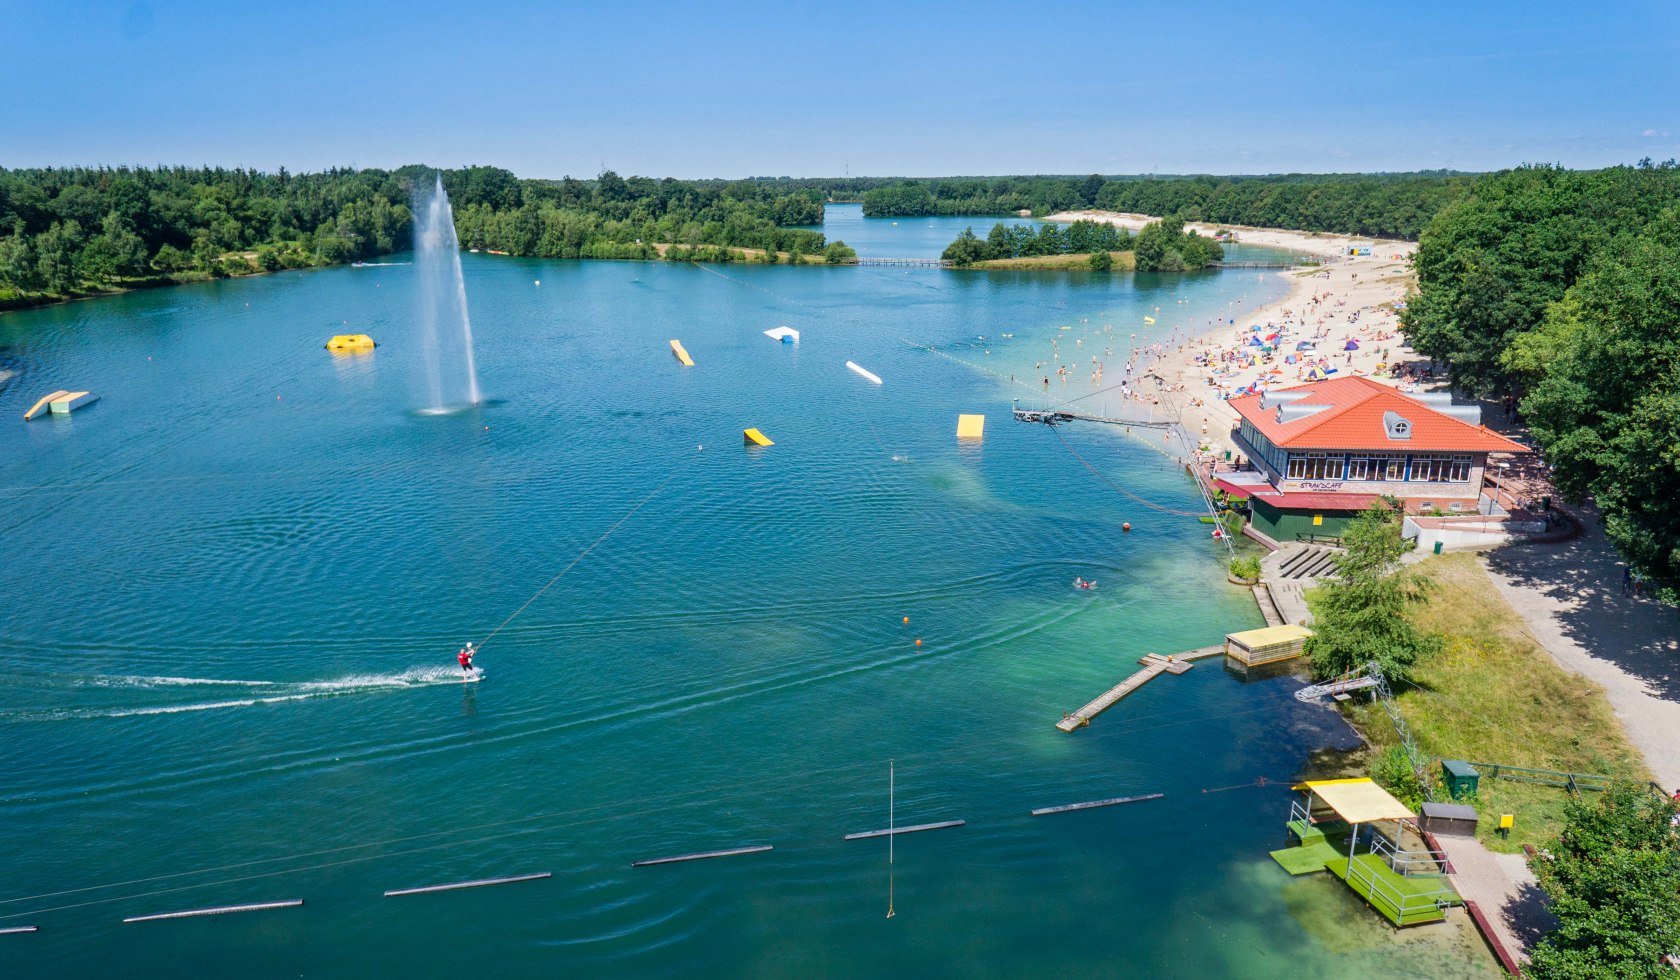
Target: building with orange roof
[(1322, 452)]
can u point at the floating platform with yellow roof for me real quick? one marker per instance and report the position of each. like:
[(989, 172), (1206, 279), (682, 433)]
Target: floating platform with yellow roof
[(681, 353), (351, 343), (60, 403)]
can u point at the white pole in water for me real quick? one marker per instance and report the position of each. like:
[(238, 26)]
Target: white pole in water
[(891, 788)]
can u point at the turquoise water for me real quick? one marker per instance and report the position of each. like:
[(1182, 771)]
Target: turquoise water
[(236, 584)]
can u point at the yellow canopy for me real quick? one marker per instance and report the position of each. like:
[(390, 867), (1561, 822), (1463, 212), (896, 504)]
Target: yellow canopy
[(1358, 800)]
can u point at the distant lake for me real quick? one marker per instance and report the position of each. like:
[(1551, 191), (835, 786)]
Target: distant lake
[(235, 587)]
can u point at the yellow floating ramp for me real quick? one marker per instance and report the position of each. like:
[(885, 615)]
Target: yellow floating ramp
[(753, 437), (351, 343), (42, 406), (682, 355), (69, 401), (971, 426)]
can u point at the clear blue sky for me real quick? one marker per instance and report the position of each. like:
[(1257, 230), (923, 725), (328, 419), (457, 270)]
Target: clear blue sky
[(704, 89)]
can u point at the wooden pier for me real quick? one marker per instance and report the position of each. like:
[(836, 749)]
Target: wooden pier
[(1153, 666), (917, 263)]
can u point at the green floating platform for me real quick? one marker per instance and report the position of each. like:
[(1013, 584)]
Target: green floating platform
[(1305, 832), (1419, 894), (1308, 858)]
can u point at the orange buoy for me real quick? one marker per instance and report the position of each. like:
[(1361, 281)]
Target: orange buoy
[(918, 641), (907, 620), (1126, 526)]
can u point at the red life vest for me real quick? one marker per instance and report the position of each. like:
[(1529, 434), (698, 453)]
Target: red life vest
[(464, 657)]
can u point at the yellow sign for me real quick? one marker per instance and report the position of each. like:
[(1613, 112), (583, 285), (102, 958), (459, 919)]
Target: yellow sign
[(1318, 520), (1506, 820)]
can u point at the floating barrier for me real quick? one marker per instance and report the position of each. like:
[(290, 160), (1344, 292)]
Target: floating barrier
[(351, 343), (753, 437), (1093, 804), (703, 855), (9, 930), (480, 883), (786, 335), (681, 354), (869, 375), (971, 426), (913, 829), (220, 910)]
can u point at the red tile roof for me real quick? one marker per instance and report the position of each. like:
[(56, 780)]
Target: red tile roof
[(1353, 419), (1313, 500)]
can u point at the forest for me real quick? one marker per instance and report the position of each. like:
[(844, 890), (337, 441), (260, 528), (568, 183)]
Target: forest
[(78, 231), (1378, 205), (1161, 246), (1562, 288)]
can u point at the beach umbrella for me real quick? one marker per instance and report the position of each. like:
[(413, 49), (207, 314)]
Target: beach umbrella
[(1303, 345), (1351, 345), (1254, 342), (1272, 336), (1291, 359)]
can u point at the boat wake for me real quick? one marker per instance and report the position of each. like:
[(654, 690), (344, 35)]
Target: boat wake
[(254, 692)]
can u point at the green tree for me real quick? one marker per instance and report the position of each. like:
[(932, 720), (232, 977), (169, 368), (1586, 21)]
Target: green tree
[(839, 253), (18, 268), (1614, 880), (1102, 261), (56, 251), (1359, 614), (116, 251)]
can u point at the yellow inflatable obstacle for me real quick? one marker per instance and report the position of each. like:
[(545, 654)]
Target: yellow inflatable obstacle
[(351, 343), (753, 437), (682, 355), (60, 403), (971, 426)]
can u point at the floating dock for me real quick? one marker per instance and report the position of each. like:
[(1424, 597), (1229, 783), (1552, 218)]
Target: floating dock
[(681, 354), (753, 437), (1153, 666), (1267, 645), (786, 335), (971, 426)]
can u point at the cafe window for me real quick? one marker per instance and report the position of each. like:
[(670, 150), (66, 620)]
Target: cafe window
[(1458, 470), (1315, 466), (1440, 468), (1359, 468)]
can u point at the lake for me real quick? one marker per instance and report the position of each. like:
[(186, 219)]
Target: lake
[(236, 584)]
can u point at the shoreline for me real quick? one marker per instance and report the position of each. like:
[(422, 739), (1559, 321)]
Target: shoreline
[(1346, 298)]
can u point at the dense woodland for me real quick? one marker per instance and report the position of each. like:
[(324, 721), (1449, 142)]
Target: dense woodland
[(75, 231), (1162, 246), (1381, 205), (1563, 288)]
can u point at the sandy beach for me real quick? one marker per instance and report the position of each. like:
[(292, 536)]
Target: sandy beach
[(1345, 299)]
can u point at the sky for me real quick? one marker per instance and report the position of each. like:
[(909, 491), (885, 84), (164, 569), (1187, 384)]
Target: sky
[(721, 89)]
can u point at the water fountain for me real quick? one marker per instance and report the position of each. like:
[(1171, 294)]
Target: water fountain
[(446, 341)]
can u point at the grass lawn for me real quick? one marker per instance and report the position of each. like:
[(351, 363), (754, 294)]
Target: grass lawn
[(1495, 695)]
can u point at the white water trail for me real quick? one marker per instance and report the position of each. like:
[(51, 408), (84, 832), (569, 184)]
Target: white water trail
[(264, 692), (446, 340)]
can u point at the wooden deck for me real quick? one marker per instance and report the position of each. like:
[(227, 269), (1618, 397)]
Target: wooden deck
[(1499, 905), (1153, 666)]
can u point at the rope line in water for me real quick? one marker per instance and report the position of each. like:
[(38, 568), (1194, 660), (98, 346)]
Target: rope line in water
[(1116, 487), (580, 556)]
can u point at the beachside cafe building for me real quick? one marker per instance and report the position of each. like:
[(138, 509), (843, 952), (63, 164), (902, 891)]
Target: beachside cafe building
[(1322, 452)]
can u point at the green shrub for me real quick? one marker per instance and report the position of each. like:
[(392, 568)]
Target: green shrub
[(1245, 567)]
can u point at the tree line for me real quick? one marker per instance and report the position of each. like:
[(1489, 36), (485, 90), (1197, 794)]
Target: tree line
[(1379, 205), (80, 230), (1561, 289), (1161, 246)]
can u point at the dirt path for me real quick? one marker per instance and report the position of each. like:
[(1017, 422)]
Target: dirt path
[(1570, 596)]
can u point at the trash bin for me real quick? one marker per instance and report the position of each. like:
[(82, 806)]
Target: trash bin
[(1437, 547), (1545, 503), (1227, 455), (1461, 778)]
